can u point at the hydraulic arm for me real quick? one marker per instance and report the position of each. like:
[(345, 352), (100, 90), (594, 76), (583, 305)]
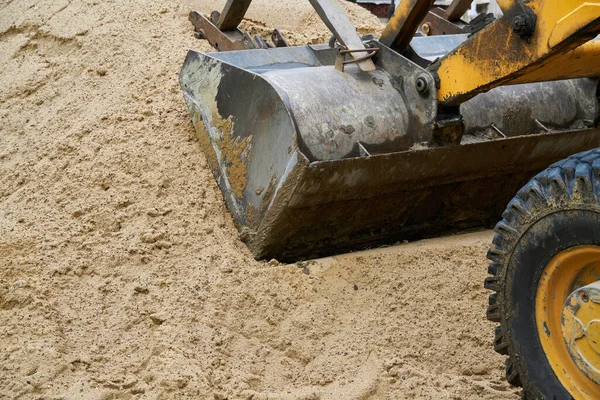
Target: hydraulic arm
[(541, 41)]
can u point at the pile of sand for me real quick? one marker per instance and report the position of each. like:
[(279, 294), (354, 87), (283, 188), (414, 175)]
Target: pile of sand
[(122, 276), (296, 19)]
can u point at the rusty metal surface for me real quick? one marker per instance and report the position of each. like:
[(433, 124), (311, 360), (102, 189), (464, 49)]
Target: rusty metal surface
[(402, 26), (435, 24), (222, 41), (334, 16), (295, 194), (231, 40)]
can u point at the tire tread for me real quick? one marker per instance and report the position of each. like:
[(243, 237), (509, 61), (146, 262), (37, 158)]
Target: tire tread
[(567, 182)]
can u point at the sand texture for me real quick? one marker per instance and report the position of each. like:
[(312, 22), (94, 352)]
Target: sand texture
[(122, 275)]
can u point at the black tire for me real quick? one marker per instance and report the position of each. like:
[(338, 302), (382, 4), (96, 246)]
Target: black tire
[(558, 209)]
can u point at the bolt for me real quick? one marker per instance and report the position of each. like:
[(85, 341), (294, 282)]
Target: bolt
[(584, 297), (426, 28), (200, 34), (523, 24), (422, 85), (519, 24)]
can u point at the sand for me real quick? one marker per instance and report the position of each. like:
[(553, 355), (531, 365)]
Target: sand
[(122, 275), (297, 20)]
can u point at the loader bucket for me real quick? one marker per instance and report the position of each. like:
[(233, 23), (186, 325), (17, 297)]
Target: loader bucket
[(313, 160)]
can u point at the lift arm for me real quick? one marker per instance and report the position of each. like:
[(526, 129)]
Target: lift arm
[(401, 28), (232, 14), (540, 41)]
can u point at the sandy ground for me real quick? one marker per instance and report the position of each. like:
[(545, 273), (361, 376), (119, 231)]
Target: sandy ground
[(122, 276)]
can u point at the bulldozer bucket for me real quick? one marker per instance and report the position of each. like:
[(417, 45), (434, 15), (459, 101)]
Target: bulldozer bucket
[(314, 158)]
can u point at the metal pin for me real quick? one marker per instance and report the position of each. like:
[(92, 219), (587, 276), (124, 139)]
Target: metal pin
[(494, 127), (537, 121), (362, 151)]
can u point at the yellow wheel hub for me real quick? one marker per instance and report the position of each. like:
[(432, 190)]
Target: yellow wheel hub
[(581, 329), (568, 319)]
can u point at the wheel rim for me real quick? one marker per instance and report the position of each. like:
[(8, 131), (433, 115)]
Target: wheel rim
[(568, 319)]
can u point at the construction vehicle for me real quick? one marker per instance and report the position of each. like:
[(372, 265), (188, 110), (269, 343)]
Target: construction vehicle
[(326, 148)]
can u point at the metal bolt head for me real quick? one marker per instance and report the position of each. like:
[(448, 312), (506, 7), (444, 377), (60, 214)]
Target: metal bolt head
[(523, 24), (421, 85), (519, 24), (585, 297), (200, 34), (426, 28)]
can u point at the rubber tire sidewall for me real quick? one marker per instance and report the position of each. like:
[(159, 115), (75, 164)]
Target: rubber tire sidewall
[(547, 237)]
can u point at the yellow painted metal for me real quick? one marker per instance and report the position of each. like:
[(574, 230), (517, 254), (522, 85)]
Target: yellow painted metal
[(505, 4), (578, 62), (567, 272), (568, 25), (497, 56), (402, 26), (581, 329), (593, 335)]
